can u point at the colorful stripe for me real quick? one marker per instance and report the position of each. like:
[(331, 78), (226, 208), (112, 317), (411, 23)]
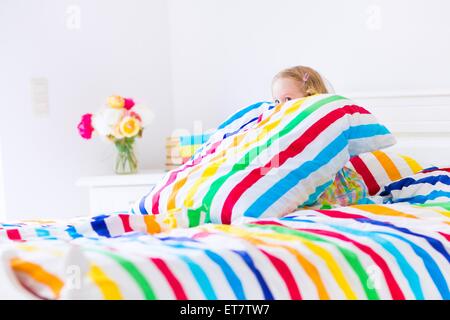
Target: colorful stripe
[(39, 274), (308, 254)]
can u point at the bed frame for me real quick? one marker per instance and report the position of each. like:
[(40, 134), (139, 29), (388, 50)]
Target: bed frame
[(420, 121)]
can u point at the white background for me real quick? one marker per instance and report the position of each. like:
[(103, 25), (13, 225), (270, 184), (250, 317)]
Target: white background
[(193, 62)]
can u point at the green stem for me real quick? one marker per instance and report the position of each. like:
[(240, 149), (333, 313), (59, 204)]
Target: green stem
[(126, 159)]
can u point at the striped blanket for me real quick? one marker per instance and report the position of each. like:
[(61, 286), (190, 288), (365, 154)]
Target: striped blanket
[(393, 251)]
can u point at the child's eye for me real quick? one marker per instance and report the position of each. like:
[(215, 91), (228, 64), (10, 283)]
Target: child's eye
[(288, 99)]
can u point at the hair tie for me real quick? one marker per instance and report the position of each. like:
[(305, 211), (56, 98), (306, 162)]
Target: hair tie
[(305, 77)]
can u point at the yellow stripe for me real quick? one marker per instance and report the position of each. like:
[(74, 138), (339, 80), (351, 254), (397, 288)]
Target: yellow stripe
[(413, 164), (444, 213), (171, 219), (40, 275), (331, 263), (107, 286), (27, 247), (171, 203), (382, 210), (334, 267), (388, 165), (211, 170), (188, 151)]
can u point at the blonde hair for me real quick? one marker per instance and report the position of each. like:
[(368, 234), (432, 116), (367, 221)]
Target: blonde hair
[(310, 78)]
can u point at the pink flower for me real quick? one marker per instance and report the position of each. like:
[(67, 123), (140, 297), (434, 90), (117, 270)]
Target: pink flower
[(129, 103), (85, 127)]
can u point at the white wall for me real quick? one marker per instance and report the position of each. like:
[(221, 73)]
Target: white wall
[(190, 60), (225, 53), (121, 47), (2, 189)]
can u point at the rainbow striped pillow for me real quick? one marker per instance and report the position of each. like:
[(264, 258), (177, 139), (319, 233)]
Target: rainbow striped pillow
[(379, 168), (285, 158), (427, 187), (238, 122)]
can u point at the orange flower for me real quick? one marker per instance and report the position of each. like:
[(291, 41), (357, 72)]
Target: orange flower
[(116, 102), (129, 126)]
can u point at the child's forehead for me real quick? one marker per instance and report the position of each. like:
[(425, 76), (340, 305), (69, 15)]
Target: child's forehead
[(286, 84)]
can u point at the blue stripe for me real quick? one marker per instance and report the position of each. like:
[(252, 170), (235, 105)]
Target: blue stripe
[(410, 275), (263, 284), (430, 265), (283, 185), (229, 134), (424, 198), (240, 114), (142, 208), (436, 244), (406, 182), (233, 280), (201, 278), (100, 227), (73, 232), (366, 131), (184, 239), (41, 232), (314, 196), (193, 140), (295, 219)]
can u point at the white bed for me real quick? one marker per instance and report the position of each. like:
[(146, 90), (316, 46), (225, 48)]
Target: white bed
[(420, 121)]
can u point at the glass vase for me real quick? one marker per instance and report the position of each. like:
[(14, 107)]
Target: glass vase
[(126, 161)]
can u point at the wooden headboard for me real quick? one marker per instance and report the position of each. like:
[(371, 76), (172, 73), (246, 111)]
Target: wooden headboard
[(420, 122)]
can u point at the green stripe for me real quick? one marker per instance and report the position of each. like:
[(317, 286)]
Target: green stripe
[(443, 205), (194, 217), (133, 271), (349, 256), (244, 162), (354, 261)]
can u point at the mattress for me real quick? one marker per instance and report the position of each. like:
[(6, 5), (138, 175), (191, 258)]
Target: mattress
[(371, 251)]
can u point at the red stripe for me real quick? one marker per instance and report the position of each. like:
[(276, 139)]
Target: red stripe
[(271, 223), (13, 234), (174, 175), (446, 236), (394, 288), (202, 234), (126, 222), (367, 176), (259, 118), (295, 148), (286, 274), (340, 214), (176, 286)]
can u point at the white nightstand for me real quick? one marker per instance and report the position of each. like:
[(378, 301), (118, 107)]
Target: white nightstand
[(114, 193)]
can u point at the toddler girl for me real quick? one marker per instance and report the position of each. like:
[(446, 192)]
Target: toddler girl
[(298, 82)]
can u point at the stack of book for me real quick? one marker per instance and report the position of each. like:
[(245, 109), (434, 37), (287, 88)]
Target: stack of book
[(179, 149)]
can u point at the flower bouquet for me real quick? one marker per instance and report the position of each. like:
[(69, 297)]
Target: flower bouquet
[(121, 122)]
